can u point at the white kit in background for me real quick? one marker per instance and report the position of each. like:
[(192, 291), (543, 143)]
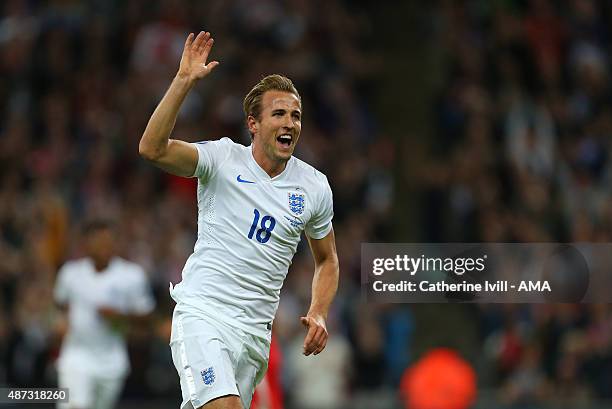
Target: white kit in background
[(93, 361)]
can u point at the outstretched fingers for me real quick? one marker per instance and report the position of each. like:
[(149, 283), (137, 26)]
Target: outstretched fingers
[(205, 40), (202, 43), (195, 54), (199, 40), (189, 40), (206, 47), (211, 65)]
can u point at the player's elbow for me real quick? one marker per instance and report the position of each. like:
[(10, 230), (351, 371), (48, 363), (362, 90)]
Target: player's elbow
[(331, 264), (149, 152)]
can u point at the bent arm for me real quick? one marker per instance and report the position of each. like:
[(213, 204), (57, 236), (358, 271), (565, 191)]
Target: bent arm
[(174, 156), (324, 286), (327, 271), (177, 157)]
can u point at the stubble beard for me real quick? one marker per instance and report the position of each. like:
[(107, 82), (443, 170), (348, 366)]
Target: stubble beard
[(274, 155)]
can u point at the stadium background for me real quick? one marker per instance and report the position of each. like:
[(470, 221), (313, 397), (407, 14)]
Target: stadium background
[(434, 121)]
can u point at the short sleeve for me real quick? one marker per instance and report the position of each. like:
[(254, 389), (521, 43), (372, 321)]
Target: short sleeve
[(320, 223), (61, 292), (141, 299), (211, 154)]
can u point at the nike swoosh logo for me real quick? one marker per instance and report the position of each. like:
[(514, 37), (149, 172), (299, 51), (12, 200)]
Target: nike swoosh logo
[(239, 179)]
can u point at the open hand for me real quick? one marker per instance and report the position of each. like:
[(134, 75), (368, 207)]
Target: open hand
[(193, 61), (316, 338)]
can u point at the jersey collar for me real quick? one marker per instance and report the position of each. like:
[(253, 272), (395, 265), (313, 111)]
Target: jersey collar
[(92, 266)]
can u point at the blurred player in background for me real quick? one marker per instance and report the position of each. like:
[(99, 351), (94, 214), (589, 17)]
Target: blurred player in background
[(254, 202), (101, 293)]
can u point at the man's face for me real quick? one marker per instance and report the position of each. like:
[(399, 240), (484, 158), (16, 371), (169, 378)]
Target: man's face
[(101, 245), (277, 130)]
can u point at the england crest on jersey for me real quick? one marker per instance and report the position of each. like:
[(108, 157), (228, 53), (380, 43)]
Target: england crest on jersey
[(208, 375), (296, 203)]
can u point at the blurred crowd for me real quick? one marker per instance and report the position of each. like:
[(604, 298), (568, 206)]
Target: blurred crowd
[(521, 152)]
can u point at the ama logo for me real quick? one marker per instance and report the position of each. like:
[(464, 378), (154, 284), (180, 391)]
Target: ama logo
[(208, 375)]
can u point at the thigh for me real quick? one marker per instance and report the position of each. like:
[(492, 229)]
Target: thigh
[(251, 368), (203, 361), (80, 390), (107, 392)]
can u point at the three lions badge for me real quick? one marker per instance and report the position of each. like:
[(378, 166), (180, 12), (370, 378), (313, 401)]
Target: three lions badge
[(208, 376), (296, 203)]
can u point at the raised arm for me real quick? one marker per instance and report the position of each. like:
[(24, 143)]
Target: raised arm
[(174, 156), (324, 286)]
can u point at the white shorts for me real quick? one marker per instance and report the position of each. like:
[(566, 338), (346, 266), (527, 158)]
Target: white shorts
[(88, 391), (214, 360)]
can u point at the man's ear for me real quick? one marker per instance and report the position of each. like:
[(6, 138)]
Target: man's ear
[(252, 124)]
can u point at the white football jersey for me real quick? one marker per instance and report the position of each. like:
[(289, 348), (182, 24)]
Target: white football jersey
[(91, 344), (249, 227)]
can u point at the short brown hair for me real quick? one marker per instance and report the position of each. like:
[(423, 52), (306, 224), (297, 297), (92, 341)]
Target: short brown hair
[(274, 82)]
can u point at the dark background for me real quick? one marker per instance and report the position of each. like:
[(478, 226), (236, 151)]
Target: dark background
[(434, 121)]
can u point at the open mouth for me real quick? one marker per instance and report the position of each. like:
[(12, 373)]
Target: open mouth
[(285, 140)]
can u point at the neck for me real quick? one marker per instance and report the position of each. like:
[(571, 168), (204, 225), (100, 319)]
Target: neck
[(270, 166), (101, 265)]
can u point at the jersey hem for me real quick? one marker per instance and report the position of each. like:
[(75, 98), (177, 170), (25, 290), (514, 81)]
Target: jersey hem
[(224, 320)]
